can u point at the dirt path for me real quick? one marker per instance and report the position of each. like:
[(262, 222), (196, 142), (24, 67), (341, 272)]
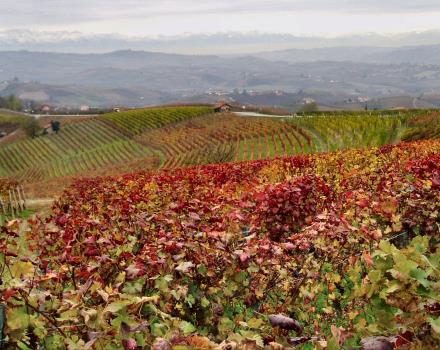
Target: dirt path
[(40, 205), (255, 114)]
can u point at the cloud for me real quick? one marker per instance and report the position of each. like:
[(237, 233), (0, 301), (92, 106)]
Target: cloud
[(123, 15)]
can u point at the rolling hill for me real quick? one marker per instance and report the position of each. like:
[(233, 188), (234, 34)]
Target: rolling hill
[(139, 78), (171, 137), (326, 214)]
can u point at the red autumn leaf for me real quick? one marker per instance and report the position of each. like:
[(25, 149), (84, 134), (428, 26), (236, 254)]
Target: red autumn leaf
[(368, 259), (92, 252), (8, 293), (244, 257), (129, 344)]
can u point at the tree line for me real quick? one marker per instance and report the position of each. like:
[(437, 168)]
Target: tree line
[(11, 102)]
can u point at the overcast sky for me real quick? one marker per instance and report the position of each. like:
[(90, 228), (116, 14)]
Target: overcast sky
[(174, 17)]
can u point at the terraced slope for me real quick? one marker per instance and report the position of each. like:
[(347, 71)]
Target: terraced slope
[(78, 147), (140, 120), (334, 132), (10, 125), (172, 137), (228, 137), (191, 142), (423, 127)]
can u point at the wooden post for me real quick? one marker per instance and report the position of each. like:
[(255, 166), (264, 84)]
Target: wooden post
[(3, 206), (11, 205), (16, 201), (20, 200), (23, 195)]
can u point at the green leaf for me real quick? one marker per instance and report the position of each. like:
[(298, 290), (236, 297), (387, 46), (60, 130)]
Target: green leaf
[(420, 243), (204, 302), (202, 269), (375, 276), (162, 282), (117, 306), (158, 329), (420, 276), (435, 324), (226, 325), (17, 318), (187, 328), (386, 247), (332, 344)]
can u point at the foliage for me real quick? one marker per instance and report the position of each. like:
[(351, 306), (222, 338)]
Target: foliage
[(423, 127), (11, 102), (214, 155), (172, 137), (309, 107), (31, 127), (310, 250)]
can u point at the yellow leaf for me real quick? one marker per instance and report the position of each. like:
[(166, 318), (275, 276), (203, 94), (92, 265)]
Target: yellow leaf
[(255, 323), (22, 269)]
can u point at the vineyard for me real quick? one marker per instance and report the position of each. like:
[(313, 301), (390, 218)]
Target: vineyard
[(80, 147), (317, 251), (173, 137), (137, 121), (250, 138), (187, 143), (12, 200)]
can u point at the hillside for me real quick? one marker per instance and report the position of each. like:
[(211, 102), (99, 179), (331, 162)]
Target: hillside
[(84, 145), (171, 137), (320, 251), (139, 78)]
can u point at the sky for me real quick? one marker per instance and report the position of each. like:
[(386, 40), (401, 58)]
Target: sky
[(177, 17)]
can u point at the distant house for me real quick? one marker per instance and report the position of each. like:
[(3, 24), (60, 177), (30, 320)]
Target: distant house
[(116, 109), (46, 108), (84, 108), (3, 134), (308, 100), (222, 107)]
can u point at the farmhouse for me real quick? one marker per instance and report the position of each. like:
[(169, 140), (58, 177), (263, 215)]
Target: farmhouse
[(222, 107), (45, 108)]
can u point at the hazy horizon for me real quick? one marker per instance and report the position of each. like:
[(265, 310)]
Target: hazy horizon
[(222, 43), (371, 49), (324, 18)]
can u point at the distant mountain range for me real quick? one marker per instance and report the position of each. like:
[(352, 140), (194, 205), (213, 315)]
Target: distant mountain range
[(427, 54), (207, 44), (138, 78)]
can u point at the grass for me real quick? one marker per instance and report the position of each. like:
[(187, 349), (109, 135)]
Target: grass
[(22, 215)]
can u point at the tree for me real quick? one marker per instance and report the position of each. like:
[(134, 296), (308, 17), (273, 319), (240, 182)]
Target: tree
[(11, 102), (309, 107), (31, 127)]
